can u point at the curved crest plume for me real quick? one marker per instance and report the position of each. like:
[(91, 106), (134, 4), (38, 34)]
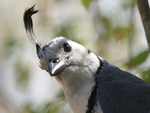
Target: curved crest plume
[(29, 25)]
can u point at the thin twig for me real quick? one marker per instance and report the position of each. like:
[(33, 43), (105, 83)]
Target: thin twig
[(144, 10)]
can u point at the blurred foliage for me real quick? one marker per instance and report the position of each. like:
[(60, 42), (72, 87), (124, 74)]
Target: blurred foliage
[(86, 3), (55, 106), (22, 74), (146, 75), (120, 32), (10, 45), (70, 31), (138, 59)]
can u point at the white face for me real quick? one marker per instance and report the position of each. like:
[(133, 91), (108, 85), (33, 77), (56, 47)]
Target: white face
[(55, 50), (63, 57)]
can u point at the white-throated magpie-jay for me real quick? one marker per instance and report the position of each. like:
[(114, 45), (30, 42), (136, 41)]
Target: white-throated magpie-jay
[(90, 84)]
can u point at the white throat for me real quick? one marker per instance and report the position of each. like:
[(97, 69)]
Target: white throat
[(77, 91), (77, 82)]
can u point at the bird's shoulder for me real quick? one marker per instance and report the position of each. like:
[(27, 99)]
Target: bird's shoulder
[(121, 92)]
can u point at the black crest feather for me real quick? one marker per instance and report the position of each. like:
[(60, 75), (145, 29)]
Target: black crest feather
[(29, 25), (27, 17)]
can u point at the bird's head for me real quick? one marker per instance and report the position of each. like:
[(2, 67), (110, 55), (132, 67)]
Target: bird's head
[(61, 57), (64, 56)]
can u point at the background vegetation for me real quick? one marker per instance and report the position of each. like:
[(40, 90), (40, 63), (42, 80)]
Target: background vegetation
[(111, 29)]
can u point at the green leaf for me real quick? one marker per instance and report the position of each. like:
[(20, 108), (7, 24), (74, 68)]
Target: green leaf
[(139, 59), (86, 3), (120, 33), (146, 76)]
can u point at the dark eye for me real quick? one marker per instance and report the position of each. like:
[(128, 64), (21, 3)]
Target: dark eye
[(67, 47)]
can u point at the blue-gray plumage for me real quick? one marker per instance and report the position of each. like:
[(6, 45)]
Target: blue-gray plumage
[(90, 84), (121, 92)]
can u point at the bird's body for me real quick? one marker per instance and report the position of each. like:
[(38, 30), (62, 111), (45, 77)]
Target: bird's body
[(90, 84), (122, 92)]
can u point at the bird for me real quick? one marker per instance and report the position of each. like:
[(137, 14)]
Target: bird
[(90, 83)]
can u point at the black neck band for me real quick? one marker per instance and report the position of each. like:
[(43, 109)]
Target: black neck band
[(93, 97)]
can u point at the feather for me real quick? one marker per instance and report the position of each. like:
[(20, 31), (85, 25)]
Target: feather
[(29, 26)]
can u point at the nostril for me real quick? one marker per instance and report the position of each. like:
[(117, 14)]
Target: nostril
[(55, 60)]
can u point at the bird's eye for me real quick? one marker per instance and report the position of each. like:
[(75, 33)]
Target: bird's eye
[(67, 47)]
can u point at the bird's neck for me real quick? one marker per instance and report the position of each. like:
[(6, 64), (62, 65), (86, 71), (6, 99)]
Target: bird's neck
[(78, 82), (77, 90)]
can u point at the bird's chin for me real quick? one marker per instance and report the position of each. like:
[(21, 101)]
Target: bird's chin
[(62, 75)]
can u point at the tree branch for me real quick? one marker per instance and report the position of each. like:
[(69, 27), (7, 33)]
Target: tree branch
[(144, 10)]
